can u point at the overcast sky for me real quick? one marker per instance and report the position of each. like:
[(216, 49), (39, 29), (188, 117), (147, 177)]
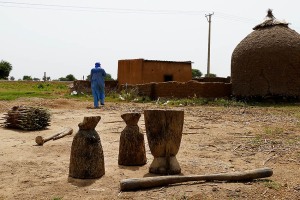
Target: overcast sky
[(62, 37)]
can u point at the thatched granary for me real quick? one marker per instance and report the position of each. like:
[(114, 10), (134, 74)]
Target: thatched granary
[(267, 62)]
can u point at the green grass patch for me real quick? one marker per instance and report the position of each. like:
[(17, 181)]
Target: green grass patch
[(129, 95), (274, 131), (270, 136), (257, 141), (57, 198), (11, 90), (200, 102), (272, 184)]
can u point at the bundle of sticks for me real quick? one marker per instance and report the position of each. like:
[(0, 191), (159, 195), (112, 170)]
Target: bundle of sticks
[(27, 118), (40, 140)]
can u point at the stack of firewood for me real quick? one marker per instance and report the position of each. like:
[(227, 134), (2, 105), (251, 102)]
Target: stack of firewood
[(27, 118)]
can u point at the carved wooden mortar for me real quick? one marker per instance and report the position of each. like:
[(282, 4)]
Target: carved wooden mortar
[(87, 159), (164, 132), (132, 145)]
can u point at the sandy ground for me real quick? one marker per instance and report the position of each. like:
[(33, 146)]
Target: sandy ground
[(215, 140)]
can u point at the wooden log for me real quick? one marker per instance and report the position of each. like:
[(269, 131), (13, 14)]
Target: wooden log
[(158, 181)]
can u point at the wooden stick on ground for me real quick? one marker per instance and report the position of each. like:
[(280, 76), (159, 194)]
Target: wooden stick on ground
[(158, 181), (40, 140), (68, 131)]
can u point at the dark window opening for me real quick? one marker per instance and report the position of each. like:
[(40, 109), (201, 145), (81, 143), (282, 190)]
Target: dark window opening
[(168, 78)]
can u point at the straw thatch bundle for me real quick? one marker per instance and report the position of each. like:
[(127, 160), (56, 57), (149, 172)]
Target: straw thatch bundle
[(267, 62), (270, 21), (27, 118)]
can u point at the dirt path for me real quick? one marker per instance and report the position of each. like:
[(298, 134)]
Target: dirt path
[(215, 140)]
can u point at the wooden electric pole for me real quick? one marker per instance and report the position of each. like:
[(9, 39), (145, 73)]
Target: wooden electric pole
[(208, 17)]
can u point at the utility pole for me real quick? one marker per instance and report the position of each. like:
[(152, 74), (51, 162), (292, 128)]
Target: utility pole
[(45, 77), (208, 17)]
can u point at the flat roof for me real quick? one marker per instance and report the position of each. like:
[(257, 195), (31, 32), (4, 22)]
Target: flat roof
[(160, 60)]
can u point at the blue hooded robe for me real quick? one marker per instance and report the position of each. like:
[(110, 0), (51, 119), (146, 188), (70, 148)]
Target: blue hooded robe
[(98, 84)]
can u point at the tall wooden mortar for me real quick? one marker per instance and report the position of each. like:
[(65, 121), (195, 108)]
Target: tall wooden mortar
[(164, 132)]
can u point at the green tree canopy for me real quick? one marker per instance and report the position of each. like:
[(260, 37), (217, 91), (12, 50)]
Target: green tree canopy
[(196, 73), (5, 68), (62, 79), (46, 78), (70, 77), (27, 78), (36, 79), (107, 77), (211, 75)]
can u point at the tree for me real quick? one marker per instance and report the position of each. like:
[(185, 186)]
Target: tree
[(27, 78), (211, 75), (107, 77), (62, 79), (196, 73), (5, 68), (70, 77), (12, 78), (46, 78)]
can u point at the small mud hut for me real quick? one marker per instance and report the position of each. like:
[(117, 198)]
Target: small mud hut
[(267, 62)]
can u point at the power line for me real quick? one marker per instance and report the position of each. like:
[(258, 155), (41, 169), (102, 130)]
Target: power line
[(235, 18), (95, 9), (72, 8)]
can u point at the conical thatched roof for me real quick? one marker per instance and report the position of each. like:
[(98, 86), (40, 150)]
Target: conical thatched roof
[(270, 20), (267, 61)]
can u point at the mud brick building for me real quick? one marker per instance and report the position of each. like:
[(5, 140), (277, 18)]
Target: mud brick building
[(140, 71)]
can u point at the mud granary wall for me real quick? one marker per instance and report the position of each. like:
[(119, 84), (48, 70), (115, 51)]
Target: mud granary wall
[(171, 89), (266, 63), (175, 89), (84, 87), (140, 71)]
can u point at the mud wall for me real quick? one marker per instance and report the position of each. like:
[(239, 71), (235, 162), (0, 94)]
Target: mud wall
[(213, 79), (170, 89), (84, 87), (183, 90)]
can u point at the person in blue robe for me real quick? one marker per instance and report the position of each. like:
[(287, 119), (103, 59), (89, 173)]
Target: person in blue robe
[(98, 84)]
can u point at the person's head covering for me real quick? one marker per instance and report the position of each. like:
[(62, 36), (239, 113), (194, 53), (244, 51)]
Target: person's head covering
[(97, 64)]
